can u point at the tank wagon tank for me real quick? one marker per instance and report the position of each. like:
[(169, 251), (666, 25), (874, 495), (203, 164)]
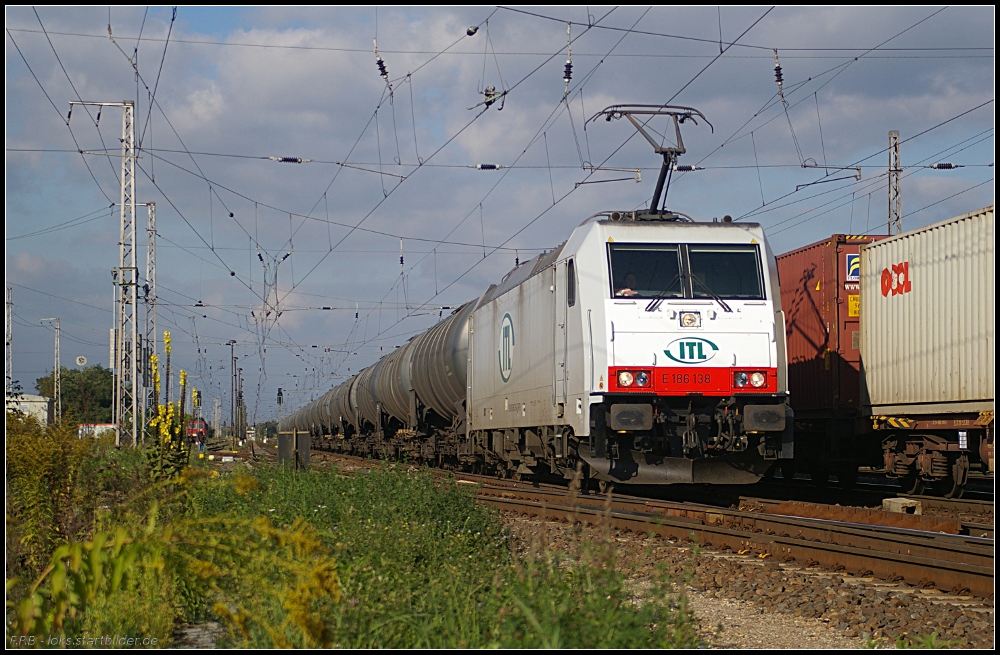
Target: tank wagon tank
[(928, 350)]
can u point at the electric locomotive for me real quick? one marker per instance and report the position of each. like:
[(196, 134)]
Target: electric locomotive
[(648, 348)]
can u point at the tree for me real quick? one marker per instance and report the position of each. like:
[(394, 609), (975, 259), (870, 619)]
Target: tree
[(87, 393)]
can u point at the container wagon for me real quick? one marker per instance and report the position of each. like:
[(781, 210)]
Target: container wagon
[(928, 350), (820, 293)]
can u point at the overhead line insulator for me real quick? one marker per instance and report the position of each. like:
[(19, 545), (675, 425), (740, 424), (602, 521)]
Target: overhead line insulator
[(290, 160)]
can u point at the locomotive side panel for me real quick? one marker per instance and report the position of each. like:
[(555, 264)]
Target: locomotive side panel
[(513, 361)]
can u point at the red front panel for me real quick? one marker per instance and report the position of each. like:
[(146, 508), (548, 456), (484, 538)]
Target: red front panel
[(703, 381)]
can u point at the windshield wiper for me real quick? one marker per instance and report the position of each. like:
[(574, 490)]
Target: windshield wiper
[(657, 300), (711, 293)]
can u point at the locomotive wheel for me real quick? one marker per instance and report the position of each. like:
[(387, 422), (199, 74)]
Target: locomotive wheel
[(787, 468), (912, 484)]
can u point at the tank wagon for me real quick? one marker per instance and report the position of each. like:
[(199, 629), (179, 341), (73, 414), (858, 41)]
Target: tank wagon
[(645, 349), (928, 350)]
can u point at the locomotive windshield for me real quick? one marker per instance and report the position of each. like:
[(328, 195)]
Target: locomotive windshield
[(645, 270), (664, 270), (725, 272)]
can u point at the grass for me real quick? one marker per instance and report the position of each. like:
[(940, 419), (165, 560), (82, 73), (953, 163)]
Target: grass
[(391, 558), (421, 565)]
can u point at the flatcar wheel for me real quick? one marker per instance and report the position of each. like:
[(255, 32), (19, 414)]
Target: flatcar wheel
[(820, 475), (950, 488), (847, 476), (605, 486), (787, 468), (912, 484)]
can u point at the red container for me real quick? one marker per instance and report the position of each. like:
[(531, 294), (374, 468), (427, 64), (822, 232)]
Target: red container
[(821, 301)]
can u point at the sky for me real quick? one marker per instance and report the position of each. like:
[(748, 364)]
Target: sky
[(316, 268)]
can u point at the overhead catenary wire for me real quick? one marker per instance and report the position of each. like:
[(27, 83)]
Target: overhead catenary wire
[(411, 253)]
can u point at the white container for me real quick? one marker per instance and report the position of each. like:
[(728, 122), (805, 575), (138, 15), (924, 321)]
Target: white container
[(927, 319)]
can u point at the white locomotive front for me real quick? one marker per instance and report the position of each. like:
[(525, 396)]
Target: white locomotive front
[(651, 351)]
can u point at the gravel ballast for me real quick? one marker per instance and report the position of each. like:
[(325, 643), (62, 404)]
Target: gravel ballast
[(761, 603)]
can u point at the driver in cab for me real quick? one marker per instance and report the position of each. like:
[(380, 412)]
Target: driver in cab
[(628, 286)]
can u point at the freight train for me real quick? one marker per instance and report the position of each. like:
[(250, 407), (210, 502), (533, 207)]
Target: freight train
[(892, 353), (646, 349)]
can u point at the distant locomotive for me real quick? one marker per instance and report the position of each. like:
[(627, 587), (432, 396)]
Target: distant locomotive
[(646, 349), (892, 353), (197, 429)]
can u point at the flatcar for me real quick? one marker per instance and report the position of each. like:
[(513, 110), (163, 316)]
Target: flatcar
[(892, 353)]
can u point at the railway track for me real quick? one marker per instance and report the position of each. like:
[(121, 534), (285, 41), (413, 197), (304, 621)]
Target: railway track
[(946, 553), (950, 562)]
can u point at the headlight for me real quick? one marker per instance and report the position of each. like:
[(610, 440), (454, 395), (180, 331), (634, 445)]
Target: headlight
[(625, 379), (642, 378), (740, 379), (757, 379), (690, 319)]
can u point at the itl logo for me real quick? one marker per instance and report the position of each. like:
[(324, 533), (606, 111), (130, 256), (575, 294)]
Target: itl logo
[(691, 351), (896, 280), (505, 355)]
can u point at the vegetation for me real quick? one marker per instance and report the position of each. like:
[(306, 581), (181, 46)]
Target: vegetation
[(421, 565), (388, 558), (102, 541), (87, 393)]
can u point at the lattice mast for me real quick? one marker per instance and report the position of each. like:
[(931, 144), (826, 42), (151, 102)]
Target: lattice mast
[(125, 349), (149, 341), (895, 200), (8, 383), (56, 371)]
